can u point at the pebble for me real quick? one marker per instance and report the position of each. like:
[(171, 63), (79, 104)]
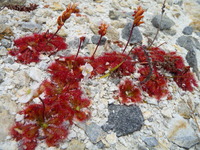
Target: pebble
[(3, 51), (6, 43), (94, 132), (3, 19), (181, 133), (170, 32), (95, 39), (111, 138), (30, 27), (166, 112), (136, 36), (188, 30), (166, 24), (36, 74), (75, 43), (76, 145), (56, 6), (120, 122), (2, 75), (198, 34), (150, 141), (192, 61), (12, 2), (5, 30), (188, 42), (9, 60), (184, 110), (113, 15)]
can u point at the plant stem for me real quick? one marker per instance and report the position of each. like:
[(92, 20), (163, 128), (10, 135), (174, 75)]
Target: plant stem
[(129, 38), (43, 112), (53, 35), (79, 47), (97, 45)]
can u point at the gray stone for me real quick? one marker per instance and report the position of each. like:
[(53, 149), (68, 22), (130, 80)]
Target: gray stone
[(9, 60), (3, 27), (136, 36), (113, 15), (6, 43), (3, 19), (75, 43), (188, 42), (2, 75), (181, 133), (192, 61), (140, 147), (197, 147), (198, 34), (150, 141), (170, 32), (100, 145), (12, 2), (3, 51), (95, 39), (94, 132), (123, 120), (166, 23), (30, 27), (188, 30)]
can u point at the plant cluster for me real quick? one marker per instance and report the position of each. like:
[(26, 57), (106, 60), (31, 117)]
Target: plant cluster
[(62, 100), (29, 8)]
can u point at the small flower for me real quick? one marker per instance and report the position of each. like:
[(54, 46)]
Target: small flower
[(102, 29), (138, 16), (86, 70), (71, 8)]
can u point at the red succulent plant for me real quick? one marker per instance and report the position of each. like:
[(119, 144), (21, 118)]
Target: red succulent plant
[(29, 48), (129, 93)]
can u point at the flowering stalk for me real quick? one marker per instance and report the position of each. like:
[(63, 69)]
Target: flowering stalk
[(82, 39), (102, 31), (137, 17), (71, 8)]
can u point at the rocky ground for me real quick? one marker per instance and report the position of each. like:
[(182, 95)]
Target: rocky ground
[(163, 125)]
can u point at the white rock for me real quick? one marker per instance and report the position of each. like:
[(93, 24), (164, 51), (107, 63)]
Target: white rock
[(111, 138), (19, 117), (36, 74), (166, 112), (181, 133)]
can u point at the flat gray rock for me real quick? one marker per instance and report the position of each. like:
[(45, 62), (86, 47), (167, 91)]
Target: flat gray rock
[(166, 23), (188, 42), (136, 36), (124, 120)]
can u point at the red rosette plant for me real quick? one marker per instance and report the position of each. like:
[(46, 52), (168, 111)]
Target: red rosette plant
[(129, 93), (109, 62), (29, 48), (156, 86)]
